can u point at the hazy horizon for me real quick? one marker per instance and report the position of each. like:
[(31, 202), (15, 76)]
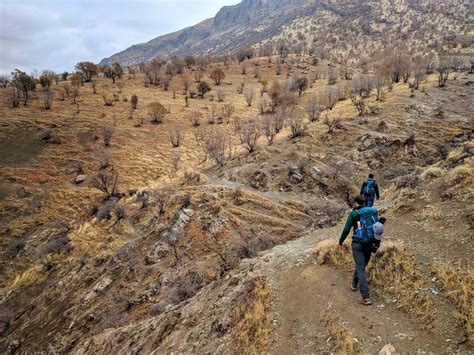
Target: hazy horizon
[(55, 35)]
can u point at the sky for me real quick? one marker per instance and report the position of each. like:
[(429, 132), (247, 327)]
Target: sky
[(56, 34)]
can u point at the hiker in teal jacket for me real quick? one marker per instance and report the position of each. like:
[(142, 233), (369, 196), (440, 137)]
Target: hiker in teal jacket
[(360, 252)]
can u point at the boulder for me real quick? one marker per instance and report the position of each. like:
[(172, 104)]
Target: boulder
[(79, 179)]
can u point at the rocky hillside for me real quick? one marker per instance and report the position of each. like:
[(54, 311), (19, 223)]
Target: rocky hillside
[(304, 24)]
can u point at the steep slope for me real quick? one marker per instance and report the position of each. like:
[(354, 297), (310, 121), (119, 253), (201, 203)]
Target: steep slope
[(336, 25), (248, 22)]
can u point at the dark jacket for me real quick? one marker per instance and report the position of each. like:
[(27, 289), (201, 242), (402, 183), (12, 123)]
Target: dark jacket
[(376, 188), (351, 222)]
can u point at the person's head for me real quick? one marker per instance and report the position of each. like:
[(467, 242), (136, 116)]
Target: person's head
[(382, 220), (371, 176), (360, 200)]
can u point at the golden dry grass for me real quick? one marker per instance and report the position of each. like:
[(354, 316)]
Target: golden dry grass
[(458, 286), (251, 318), (343, 337), (391, 271)]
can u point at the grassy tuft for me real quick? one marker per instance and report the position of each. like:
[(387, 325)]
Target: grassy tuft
[(343, 337), (458, 285), (251, 318)]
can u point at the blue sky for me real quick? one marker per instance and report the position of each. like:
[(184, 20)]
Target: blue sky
[(56, 34)]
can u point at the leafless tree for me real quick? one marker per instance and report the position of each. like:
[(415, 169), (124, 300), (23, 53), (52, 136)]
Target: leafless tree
[(313, 108), (107, 132), (257, 72), (228, 111), (220, 95), (296, 123), (175, 136), (359, 104), (243, 68), (331, 75), (217, 74), (48, 98), (418, 74), (443, 70), (194, 117), (175, 160), (105, 181), (269, 129), (14, 97), (249, 94), (214, 141), (249, 134), (197, 75), (279, 119), (379, 81)]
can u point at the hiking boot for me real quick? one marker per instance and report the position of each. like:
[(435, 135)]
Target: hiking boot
[(365, 301), (352, 285)]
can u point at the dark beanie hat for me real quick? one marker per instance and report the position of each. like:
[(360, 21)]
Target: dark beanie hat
[(359, 199)]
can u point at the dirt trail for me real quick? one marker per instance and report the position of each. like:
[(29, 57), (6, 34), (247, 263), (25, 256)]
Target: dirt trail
[(302, 290)]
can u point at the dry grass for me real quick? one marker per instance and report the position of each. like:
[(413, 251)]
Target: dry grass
[(460, 176), (392, 271), (251, 317), (343, 337), (458, 285), (431, 173)]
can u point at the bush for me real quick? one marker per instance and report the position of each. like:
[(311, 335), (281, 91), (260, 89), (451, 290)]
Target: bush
[(249, 134), (409, 181), (15, 246), (56, 245), (157, 112), (175, 136), (296, 123)]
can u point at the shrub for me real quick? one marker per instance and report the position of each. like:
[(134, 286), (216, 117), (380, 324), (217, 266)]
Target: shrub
[(220, 95), (15, 246), (56, 245), (269, 129), (24, 83), (217, 74), (408, 181), (249, 94), (157, 112), (203, 88), (313, 109), (108, 101), (296, 123), (194, 117), (249, 134), (175, 136), (105, 181)]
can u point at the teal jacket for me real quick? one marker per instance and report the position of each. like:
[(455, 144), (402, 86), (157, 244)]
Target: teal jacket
[(351, 223)]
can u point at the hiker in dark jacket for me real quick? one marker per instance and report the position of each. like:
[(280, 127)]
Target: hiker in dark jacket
[(360, 252), (370, 190)]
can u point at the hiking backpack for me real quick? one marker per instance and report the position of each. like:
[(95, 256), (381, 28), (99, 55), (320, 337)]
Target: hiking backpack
[(367, 217), (369, 188)]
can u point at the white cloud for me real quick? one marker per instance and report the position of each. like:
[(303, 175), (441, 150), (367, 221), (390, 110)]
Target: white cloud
[(56, 34)]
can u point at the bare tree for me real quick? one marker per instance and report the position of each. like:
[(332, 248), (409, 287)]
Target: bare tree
[(279, 119), (331, 75), (296, 123), (214, 141), (175, 160), (105, 181), (313, 108), (379, 81), (217, 74), (269, 129), (359, 104), (418, 69), (194, 117), (220, 95), (107, 132), (175, 136), (257, 72), (48, 98), (228, 111), (298, 83), (14, 97), (249, 134), (443, 70), (197, 75), (249, 94), (243, 68)]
